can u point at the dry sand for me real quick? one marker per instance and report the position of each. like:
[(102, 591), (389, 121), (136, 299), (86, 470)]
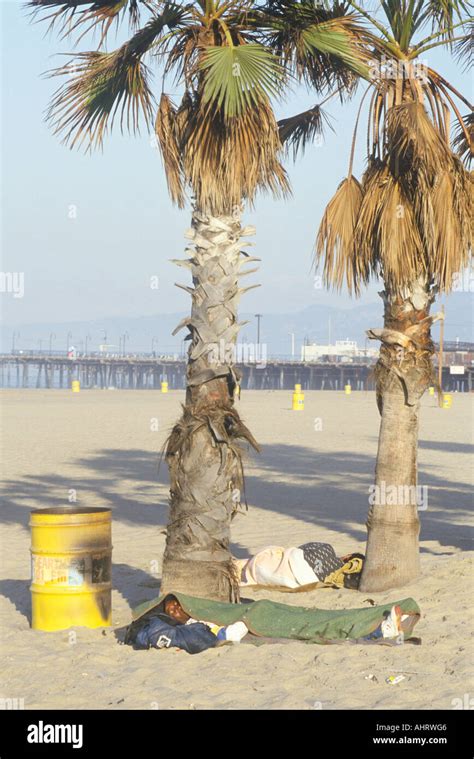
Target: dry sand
[(308, 484)]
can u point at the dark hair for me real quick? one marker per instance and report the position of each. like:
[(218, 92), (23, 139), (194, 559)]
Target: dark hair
[(352, 580)]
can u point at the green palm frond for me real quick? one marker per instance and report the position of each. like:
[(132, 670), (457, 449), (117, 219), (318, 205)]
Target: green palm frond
[(464, 144), (443, 14), (238, 76), (222, 142), (464, 48), (332, 38), (302, 128), (101, 85), (324, 46)]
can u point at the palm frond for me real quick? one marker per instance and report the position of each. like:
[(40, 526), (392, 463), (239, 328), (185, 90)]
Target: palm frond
[(226, 160), (333, 39), (463, 146), (413, 139), (101, 84), (238, 76), (464, 48), (335, 241), (68, 15), (296, 131), (387, 236), (453, 212), (443, 15), (321, 45), (169, 139)]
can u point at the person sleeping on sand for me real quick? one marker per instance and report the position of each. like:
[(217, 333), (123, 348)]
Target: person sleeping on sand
[(173, 628), (169, 625), (296, 567)]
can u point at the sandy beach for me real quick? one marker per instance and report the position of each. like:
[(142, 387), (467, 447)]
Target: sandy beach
[(309, 483)]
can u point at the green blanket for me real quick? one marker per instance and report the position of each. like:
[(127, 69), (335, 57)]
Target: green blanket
[(276, 620)]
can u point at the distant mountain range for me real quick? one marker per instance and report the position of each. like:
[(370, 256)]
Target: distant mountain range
[(316, 323)]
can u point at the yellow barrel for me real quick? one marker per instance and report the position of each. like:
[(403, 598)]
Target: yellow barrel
[(164, 387), (347, 389), (71, 568), (431, 390), (447, 400), (75, 386), (298, 399)]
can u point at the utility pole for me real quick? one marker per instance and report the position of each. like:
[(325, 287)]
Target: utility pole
[(258, 317), (52, 337), (14, 335), (440, 361), (305, 342), (103, 347), (125, 336), (88, 337)]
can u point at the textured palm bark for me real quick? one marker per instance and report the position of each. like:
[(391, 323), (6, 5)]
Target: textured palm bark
[(403, 373), (204, 452)]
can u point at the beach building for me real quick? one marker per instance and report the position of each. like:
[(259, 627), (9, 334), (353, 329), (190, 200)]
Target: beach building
[(342, 350)]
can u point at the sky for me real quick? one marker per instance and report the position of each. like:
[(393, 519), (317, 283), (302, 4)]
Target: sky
[(91, 232)]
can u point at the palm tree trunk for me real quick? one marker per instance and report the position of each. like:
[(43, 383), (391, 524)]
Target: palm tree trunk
[(203, 451), (403, 373)]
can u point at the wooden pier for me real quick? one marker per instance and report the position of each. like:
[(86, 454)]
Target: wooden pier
[(147, 373)]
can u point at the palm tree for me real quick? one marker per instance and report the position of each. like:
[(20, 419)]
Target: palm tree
[(409, 223), (222, 143)]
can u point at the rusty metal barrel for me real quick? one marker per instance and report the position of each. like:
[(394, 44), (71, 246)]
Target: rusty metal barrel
[(71, 567)]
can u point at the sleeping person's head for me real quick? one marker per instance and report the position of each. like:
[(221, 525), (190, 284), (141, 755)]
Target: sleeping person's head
[(173, 608)]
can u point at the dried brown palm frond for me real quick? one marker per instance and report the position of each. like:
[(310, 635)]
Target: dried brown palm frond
[(453, 212), (296, 131), (415, 218), (387, 237), (442, 204), (412, 139), (68, 16), (183, 55), (335, 240), (167, 132), (226, 160)]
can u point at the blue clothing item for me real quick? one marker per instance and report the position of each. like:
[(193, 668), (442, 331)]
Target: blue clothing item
[(159, 633), (375, 635)]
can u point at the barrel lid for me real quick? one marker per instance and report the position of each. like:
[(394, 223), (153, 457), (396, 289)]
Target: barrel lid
[(72, 510)]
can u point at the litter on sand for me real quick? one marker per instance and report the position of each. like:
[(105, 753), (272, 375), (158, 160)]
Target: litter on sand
[(395, 679)]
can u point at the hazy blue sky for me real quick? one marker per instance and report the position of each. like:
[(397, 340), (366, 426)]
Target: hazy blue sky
[(100, 263)]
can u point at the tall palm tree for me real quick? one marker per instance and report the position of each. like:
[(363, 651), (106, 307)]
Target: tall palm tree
[(221, 143), (409, 223)]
